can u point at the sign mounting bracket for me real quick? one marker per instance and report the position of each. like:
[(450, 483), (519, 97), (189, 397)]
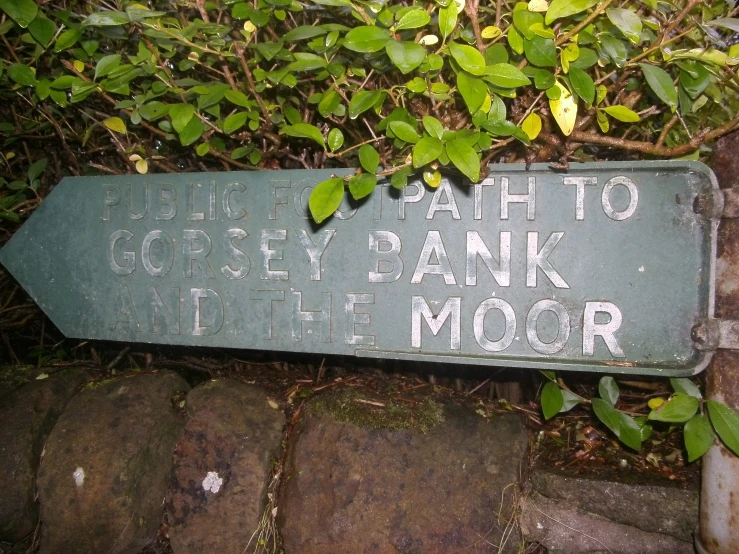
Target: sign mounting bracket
[(712, 334)]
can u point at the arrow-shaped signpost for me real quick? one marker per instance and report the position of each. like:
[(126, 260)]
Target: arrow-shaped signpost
[(604, 267)]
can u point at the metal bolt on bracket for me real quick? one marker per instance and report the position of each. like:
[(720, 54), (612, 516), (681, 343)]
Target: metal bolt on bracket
[(711, 334)]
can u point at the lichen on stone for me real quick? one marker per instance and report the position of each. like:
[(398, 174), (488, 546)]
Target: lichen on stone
[(351, 405)]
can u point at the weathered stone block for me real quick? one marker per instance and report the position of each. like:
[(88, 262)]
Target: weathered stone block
[(655, 507), (222, 468), (28, 416), (360, 490), (108, 461)]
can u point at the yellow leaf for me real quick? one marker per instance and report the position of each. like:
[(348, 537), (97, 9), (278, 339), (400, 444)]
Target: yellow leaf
[(142, 167), (538, 5), (429, 40), (487, 103), (249, 27), (460, 5), (532, 126), (432, 178), (9, 155), (564, 110), (655, 403), (491, 32), (272, 404), (569, 54), (115, 124), (79, 66)]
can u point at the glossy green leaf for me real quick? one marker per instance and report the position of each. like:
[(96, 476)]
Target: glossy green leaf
[(661, 83), (269, 49), (413, 19), (67, 39), (694, 78), (181, 114), (406, 56), (468, 58), (369, 159), (583, 85), (152, 111), (464, 158), (404, 131), (678, 409), (106, 19), (515, 40), (686, 386), (115, 124), (417, 85), (43, 88), (106, 64), (303, 32), (329, 102), (326, 198), (361, 185), (22, 74), (237, 97), (551, 400), (42, 30), (366, 39), (608, 389), (433, 126), (607, 414), (622, 113), (524, 19), (563, 8), (335, 139), (614, 49), (192, 131), (543, 79), (569, 400), (731, 23), (447, 20), (500, 127), (505, 75), (399, 179), (304, 130), (427, 150), (36, 169), (587, 58), (65, 82), (234, 122), (627, 22), (473, 91), (698, 436), (23, 12), (622, 425), (631, 433), (541, 52), (363, 101), (292, 114), (305, 61), (725, 422)]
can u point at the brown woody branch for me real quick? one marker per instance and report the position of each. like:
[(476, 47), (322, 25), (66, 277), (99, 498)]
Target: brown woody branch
[(656, 149)]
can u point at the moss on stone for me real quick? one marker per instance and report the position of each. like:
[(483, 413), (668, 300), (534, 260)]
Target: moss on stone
[(352, 406), (15, 376)]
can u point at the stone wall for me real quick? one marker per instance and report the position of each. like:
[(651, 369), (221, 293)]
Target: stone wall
[(115, 466)]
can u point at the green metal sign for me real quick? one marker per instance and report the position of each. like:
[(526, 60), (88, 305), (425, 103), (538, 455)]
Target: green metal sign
[(604, 267)]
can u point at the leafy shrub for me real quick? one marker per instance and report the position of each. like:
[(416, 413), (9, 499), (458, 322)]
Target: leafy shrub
[(393, 88), (702, 421)]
